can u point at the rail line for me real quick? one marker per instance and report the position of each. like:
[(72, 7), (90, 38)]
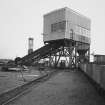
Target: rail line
[(13, 94)]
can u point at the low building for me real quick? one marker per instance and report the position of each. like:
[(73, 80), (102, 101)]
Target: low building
[(99, 59)]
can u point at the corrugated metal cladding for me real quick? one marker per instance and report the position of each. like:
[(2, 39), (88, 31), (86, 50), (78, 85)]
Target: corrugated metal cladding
[(66, 24), (99, 58)]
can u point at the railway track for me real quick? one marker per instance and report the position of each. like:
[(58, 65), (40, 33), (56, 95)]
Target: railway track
[(9, 96)]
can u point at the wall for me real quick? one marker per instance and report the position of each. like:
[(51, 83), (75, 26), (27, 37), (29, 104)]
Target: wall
[(95, 72), (51, 18), (74, 21), (80, 24)]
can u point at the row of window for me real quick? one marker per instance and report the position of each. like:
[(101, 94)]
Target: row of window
[(58, 27), (82, 31)]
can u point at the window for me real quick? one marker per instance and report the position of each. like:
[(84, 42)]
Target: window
[(71, 33), (58, 27), (81, 31), (77, 30)]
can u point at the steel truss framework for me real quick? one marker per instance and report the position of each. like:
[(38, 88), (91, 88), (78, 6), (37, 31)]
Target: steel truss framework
[(73, 52)]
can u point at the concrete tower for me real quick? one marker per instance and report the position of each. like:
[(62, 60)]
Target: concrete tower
[(30, 45)]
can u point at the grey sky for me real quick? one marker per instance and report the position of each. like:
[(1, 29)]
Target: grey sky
[(20, 19)]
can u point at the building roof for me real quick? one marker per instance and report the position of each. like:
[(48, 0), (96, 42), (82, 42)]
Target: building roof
[(66, 8)]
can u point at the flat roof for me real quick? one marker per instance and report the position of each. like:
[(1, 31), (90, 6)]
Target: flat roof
[(66, 8), (98, 55)]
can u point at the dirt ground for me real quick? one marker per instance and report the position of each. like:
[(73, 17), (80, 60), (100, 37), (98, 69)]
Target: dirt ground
[(10, 80), (65, 88)]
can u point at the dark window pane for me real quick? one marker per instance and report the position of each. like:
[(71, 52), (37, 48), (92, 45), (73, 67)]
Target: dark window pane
[(60, 26)]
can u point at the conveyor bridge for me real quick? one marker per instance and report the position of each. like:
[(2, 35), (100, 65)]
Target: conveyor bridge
[(40, 53), (54, 50)]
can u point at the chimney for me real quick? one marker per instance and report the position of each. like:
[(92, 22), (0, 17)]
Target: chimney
[(30, 45)]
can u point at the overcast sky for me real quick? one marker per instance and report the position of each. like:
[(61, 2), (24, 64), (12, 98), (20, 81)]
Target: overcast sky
[(20, 19)]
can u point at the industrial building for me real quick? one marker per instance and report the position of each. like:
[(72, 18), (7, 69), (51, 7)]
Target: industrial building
[(66, 24), (66, 35), (72, 29), (99, 59)]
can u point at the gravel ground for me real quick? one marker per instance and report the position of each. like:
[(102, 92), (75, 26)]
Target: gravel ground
[(10, 80), (65, 88)]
